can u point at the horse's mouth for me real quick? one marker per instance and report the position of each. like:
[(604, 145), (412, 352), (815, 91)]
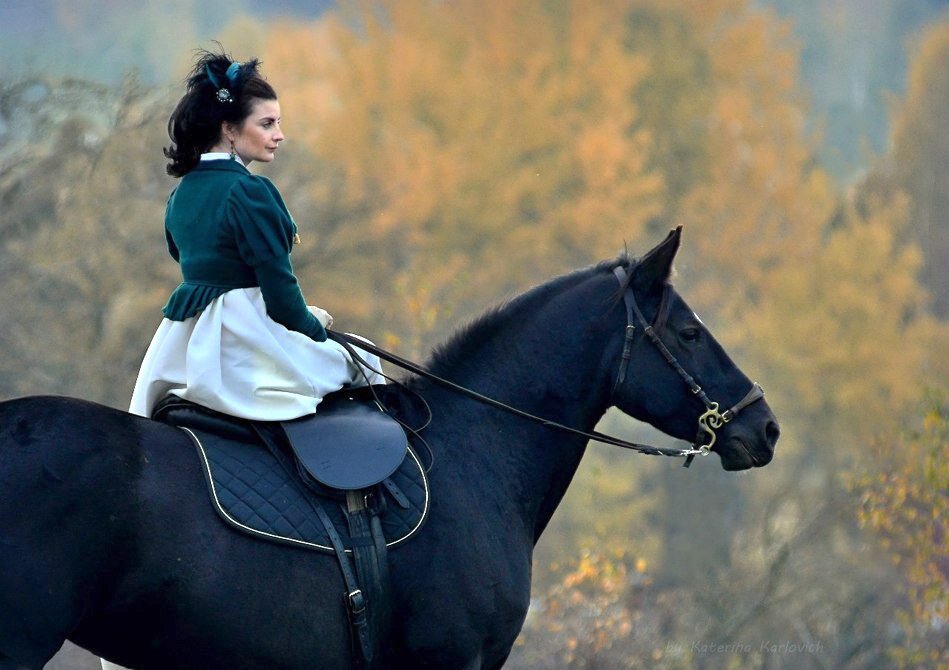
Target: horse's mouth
[(739, 456)]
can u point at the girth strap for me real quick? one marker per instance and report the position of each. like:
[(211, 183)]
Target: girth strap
[(368, 546), (354, 599), (371, 558)]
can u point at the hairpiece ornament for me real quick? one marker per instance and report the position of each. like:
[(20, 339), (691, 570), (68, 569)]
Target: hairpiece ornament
[(223, 94), (232, 71)]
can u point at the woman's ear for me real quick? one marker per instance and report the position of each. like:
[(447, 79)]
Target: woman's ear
[(228, 131)]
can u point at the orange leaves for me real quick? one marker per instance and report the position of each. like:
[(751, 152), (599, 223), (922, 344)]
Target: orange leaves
[(484, 145), (589, 609), (505, 131), (904, 501)]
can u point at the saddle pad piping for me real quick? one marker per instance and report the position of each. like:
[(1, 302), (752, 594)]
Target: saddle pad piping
[(428, 497), (219, 508)]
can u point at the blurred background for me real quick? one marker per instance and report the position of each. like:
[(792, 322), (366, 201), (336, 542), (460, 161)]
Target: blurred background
[(443, 155)]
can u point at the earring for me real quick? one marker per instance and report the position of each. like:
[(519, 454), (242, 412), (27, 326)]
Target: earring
[(233, 152)]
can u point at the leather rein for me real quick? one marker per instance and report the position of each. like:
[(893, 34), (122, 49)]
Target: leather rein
[(708, 422)]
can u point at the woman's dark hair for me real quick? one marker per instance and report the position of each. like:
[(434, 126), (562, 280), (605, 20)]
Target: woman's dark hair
[(218, 90)]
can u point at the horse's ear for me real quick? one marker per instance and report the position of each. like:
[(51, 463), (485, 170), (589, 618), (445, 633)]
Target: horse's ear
[(655, 267)]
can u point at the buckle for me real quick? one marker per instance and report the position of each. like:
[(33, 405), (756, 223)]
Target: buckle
[(357, 602), (356, 503)]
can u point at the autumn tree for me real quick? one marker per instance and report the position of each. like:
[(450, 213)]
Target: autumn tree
[(766, 222), (444, 154), (82, 262), (917, 163), (904, 502), (469, 132)]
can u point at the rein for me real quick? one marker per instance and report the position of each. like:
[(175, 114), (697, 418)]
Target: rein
[(708, 422)]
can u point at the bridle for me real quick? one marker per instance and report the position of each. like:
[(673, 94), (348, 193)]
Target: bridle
[(710, 421)]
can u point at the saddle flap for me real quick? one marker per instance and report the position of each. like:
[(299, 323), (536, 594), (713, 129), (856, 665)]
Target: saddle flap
[(348, 444)]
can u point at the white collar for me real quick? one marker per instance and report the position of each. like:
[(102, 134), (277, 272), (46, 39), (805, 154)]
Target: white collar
[(221, 156)]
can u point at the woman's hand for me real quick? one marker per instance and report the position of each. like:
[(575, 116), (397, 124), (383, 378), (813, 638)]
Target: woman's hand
[(324, 317)]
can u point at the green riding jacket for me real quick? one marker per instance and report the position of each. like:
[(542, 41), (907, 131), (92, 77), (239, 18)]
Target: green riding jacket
[(227, 229)]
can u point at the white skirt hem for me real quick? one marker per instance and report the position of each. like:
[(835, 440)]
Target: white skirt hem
[(235, 359)]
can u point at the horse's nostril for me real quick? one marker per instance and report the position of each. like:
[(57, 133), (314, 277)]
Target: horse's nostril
[(773, 432)]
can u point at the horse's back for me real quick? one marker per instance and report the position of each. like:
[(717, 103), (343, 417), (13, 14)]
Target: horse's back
[(107, 537), (64, 465)]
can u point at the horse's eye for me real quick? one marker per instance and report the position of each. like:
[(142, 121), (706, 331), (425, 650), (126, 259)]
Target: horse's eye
[(690, 334)]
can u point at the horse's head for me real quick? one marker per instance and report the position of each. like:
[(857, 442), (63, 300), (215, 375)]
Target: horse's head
[(671, 356)]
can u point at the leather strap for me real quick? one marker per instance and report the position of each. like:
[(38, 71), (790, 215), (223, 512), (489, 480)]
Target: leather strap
[(632, 310), (755, 394), (630, 331), (371, 559), (354, 599), (397, 360)]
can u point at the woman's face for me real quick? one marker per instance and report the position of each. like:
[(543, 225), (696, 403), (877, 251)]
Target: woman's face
[(256, 139)]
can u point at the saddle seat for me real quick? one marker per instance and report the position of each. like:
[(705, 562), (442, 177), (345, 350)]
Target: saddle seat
[(268, 478)]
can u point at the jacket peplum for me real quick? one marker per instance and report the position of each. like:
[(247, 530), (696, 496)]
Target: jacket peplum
[(229, 229)]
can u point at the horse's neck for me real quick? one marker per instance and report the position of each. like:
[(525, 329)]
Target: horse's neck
[(549, 363)]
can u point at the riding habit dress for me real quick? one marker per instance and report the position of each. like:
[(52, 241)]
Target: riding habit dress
[(237, 336)]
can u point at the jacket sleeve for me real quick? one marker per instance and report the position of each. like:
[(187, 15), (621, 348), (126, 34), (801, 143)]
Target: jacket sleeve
[(169, 240), (264, 233), (172, 249), (284, 301)]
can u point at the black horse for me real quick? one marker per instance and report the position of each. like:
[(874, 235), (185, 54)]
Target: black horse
[(107, 537)]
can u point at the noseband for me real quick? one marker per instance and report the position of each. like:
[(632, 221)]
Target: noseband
[(711, 420)]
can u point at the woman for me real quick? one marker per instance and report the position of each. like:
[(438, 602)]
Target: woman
[(237, 335)]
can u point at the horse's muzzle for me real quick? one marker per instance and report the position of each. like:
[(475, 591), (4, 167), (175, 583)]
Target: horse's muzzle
[(750, 444)]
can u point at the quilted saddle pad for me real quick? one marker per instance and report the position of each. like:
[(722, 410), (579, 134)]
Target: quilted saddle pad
[(253, 492)]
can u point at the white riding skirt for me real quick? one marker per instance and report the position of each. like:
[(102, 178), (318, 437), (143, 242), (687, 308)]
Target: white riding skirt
[(235, 359)]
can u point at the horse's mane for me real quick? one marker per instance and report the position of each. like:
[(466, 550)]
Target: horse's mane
[(459, 345)]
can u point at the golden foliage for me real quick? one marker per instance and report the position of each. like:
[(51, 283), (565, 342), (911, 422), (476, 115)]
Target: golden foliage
[(80, 265), (850, 304), (802, 284), (443, 154), (905, 502), (920, 157), (589, 610), (467, 127)]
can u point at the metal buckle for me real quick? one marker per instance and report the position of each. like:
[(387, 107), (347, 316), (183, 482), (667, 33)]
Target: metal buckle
[(356, 503), (357, 603)]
